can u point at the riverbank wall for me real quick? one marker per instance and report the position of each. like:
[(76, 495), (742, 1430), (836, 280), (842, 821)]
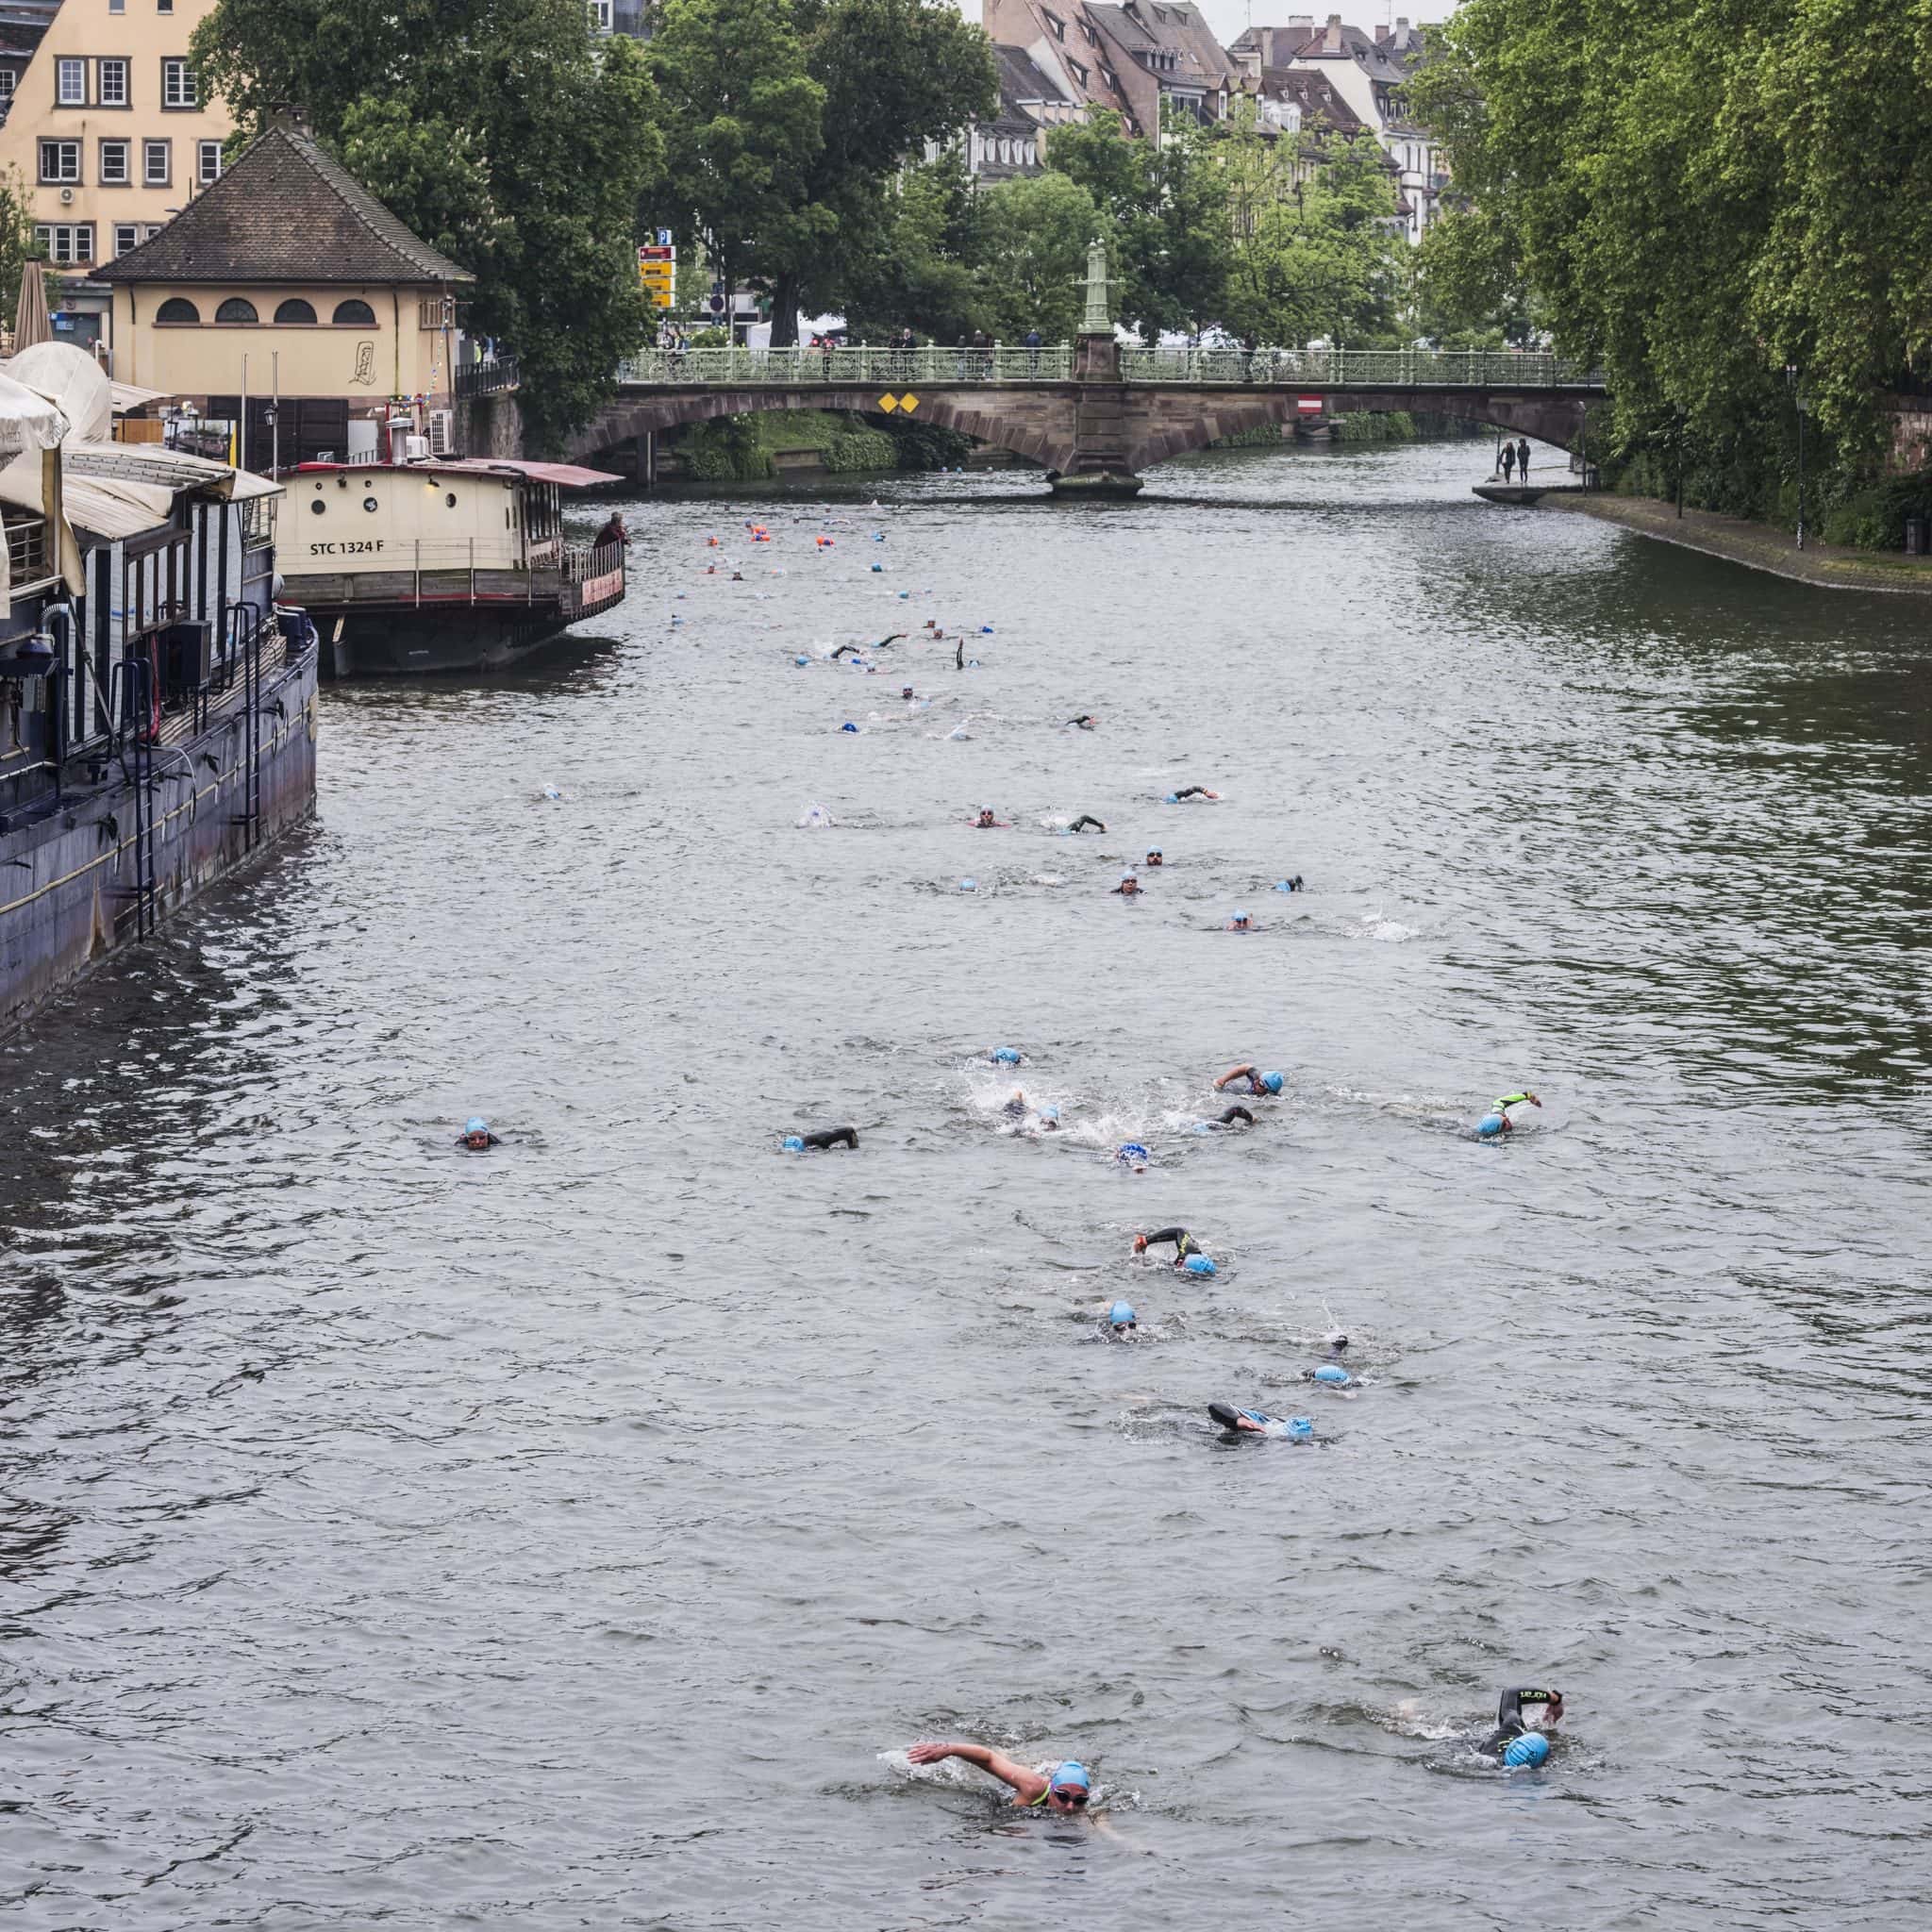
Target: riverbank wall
[(1759, 546)]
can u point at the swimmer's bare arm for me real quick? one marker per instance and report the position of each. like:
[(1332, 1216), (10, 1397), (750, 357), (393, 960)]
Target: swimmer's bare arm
[(1244, 1071), (1028, 1783)]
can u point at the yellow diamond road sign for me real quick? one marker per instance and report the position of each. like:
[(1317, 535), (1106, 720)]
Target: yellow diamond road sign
[(889, 403), (909, 402)]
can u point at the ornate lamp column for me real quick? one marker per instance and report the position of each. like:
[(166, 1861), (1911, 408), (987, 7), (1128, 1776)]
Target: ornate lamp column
[(1100, 399)]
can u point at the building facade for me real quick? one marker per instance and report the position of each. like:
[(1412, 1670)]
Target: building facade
[(107, 127), (1013, 142), (24, 24), (289, 262)]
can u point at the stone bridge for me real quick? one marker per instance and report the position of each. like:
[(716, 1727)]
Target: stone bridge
[(1092, 414)]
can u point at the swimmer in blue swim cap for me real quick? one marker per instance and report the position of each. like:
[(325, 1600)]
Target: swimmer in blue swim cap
[(824, 1138), (1332, 1373), (1241, 922), (1258, 1422), (1258, 1082), (1497, 1120), (1131, 1153), (477, 1135), (1066, 1787), (1521, 1716), (1122, 1320)]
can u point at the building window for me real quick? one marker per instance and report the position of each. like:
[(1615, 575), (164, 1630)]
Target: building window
[(177, 309), (178, 84), (116, 163), (354, 315), (157, 163), (126, 238), (70, 83), (207, 161), (66, 243), (295, 310), (600, 15), (60, 162), (111, 83), (236, 309), (7, 80)]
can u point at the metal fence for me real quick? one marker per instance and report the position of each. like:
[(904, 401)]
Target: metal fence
[(1357, 368), (485, 379), (885, 368)]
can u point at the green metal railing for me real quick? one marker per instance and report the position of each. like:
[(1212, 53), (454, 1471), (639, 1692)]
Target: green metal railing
[(886, 369), (1332, 369)]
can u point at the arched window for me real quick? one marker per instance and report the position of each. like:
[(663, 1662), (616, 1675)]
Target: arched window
[(294, 309), (355, 314), (236, 309), (177, 309)]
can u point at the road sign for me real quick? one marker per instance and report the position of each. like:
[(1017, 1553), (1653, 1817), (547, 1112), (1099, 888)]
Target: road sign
[(1307, 406), (663, 238), (909, 402), (889, 403), (657, 271)]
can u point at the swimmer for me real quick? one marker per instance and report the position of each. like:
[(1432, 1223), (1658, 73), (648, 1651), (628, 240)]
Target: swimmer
[(1330, 1374), (1085, 819), (1258, 1082), (1518, 1732), (477, 1135), (1129, 887), (830, 1137), (1065, 1789), (1017, 1107), (1241, 922), (1232, 1115), (1188, 791), (987, 823), (738, 576), (1185, 1245), (1258, 1422), (1294, 884), (1131, 1153), (1045, 1121), (1122, 1321), (1154, 857), (1497, 1120), (1083, 723), (908, 695)]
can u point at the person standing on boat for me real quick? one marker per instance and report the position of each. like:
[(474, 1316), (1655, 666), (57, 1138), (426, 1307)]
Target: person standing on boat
[(614, 532)]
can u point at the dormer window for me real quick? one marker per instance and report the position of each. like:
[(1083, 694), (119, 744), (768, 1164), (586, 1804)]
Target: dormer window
[(1059, 27)]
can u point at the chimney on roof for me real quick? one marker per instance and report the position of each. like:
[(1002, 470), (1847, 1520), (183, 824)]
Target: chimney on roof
[(1331, 40), (1301, 23), (1267, 47), (1382, 34)]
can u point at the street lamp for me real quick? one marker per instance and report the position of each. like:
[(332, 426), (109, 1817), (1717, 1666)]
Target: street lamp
[(1799, 404)]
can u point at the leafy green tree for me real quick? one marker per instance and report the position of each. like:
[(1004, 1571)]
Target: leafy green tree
[(497, 129), (926, 267), (19, 244), (1038, 232), (744, 130)]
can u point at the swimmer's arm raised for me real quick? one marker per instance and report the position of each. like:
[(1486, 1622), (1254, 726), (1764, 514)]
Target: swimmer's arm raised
[(1029, 1784), (1244, 1071)]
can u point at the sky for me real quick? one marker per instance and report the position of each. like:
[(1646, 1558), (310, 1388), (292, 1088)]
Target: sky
[(1229, 17)]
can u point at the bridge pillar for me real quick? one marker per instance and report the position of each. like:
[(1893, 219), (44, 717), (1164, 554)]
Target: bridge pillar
[(1100, 466)]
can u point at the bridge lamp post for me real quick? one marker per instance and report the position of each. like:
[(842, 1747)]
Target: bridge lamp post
[(1803, 410)]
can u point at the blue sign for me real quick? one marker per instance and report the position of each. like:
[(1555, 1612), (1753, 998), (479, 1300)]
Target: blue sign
[(663, 238)]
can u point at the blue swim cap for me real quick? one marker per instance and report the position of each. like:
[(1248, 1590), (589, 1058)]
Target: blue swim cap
[(879, 566), (1070, 1778), (1198, 1264), (1284, 885), (1130, 1150), (1300, 1427), (1049, 1113), (986, 630), (801, 661), (878, 536), (969, 884), (848, 726), (1120, 1314), (477, 1124), (1006, 1055), (1169, 799), (1528, 1750), (1239, 913), (1272, 1082), (1329, 1372), (905, 594), (1490, 1123), (794, 1143)]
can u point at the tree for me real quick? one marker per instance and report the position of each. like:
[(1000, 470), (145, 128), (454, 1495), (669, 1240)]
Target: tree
[(743, 124), (19, 244), (926, 267), (897, 74), (1038, 231), (499, 131)]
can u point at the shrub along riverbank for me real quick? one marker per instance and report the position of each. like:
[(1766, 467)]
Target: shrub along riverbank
[(748, 449)]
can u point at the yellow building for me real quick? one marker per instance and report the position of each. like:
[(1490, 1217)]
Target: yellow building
[(106, 129), (287, 278)]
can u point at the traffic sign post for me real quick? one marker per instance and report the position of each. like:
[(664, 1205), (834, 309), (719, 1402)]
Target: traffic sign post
[(657, 271)]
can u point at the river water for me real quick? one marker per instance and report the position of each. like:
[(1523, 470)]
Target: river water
[(577, 1535)]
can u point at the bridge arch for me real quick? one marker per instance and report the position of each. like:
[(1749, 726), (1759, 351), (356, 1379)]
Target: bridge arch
[(1037, 425)]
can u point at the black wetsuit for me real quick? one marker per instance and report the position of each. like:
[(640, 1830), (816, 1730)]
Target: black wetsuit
[(832, 1137), (1083, 722), (843, 649), (1510, 1718), (1085, 819), (1192, 792), (1184, 1243), (1236, 1113)]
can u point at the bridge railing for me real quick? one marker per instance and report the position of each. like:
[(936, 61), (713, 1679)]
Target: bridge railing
[(889, 369), (1357, 368)]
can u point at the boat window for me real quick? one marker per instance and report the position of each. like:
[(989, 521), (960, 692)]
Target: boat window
[(355, 314), (236, 309), (295, 310), (177, 309)]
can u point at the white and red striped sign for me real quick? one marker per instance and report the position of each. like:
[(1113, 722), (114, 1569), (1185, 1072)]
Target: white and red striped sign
[(1307, 406)]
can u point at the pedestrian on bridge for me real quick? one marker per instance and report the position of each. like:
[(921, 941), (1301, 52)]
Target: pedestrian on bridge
[(1523, 460), (1509, 462)]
